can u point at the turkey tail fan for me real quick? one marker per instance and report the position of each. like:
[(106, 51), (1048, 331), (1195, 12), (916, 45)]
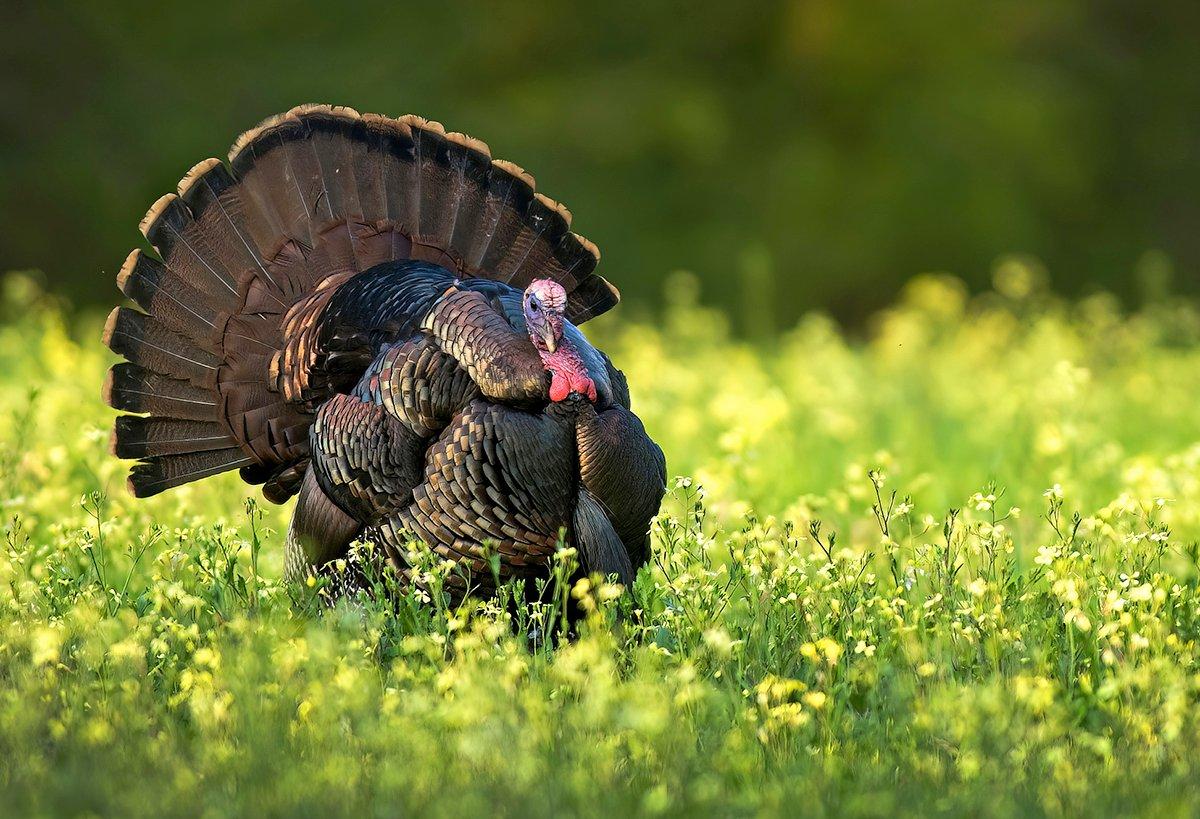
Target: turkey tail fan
[(407, 188), (308, 199)]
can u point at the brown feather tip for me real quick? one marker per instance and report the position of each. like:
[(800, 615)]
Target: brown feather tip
[(112, 442), (127, 270), (132, 488), (193, 176), (297, 113), (590, 247), (415, 121), (341, 111), (156, 210), (557, 207), (513, 169), (385, 123), (246, 137), (470, 143), (110, 327), (106, 389)]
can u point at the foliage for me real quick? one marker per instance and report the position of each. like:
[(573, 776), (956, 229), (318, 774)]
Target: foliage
[(949, 569)]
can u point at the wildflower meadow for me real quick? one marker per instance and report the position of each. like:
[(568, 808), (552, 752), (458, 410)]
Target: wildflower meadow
[(945, 566)]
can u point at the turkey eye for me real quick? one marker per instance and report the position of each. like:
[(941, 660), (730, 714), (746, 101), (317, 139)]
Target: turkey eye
[(534, 306)]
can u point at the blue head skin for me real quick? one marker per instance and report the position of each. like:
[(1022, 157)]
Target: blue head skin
[(543, 305)]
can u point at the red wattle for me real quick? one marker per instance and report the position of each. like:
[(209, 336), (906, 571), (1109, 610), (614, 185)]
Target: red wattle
[(560, 387), (567, 374)]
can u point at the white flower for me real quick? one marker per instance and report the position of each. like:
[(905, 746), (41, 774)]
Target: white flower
[(1141, 593), (1046, 555), (864, 648), (719, 641)]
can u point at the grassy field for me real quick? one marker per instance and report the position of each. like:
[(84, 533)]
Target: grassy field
[(947, 568)]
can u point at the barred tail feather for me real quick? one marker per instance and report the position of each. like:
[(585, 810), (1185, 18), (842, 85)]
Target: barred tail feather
[(144, 340), (136, 436), (136, 389), (149, 477)]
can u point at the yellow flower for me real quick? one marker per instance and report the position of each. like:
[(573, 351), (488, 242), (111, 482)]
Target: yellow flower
[(719, 641), (1141, 593), (45, 645), (831, 649), (1078, 619), (206, 657)]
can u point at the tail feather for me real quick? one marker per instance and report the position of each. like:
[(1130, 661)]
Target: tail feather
[(424, 135), (514, 191), (579, 262), (438, 193), (283, 186), (146, 341), (370, 168), (334, 252), (136, 389), (178, 305), (331, 133), (545, 223), (374, 244), (163, 472), (392, 142), (168, 227), (286, 184), (223, 220), (466, 164), (136, 436), (471, 164)]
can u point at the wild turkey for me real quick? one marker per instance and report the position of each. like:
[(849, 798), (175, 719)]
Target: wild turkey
[(375, 314)]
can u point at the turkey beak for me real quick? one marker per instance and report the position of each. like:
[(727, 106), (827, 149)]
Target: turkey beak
[(546, 331)]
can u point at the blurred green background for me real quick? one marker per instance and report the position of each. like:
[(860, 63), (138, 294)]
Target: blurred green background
[(794, 155)]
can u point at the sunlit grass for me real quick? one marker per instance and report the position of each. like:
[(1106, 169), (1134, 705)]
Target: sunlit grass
[(949, 567)]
